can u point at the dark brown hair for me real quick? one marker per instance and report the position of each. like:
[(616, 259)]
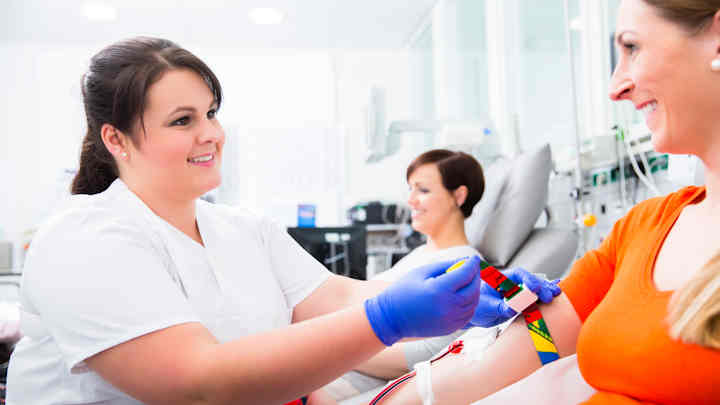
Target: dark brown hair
[(114, 91), (456, 169), (692, 15)]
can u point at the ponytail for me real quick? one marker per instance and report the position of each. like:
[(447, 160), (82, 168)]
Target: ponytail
[(694, 310), (97, 168)]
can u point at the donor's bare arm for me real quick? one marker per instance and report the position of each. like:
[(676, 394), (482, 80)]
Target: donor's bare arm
[(456, 380)]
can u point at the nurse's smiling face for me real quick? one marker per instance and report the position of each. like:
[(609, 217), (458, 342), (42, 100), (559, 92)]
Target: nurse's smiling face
[(178, 156)]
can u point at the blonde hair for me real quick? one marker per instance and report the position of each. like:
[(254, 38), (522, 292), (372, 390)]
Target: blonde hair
[(694, 310)]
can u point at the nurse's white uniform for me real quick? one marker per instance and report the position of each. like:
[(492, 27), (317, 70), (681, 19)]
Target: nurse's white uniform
[(108, 270)]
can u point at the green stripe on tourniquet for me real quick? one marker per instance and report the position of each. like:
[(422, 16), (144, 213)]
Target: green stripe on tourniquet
[(541, 331), (508, 285)]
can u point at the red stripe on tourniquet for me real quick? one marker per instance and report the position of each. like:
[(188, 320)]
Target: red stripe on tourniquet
[(532, 313), (491, 276)]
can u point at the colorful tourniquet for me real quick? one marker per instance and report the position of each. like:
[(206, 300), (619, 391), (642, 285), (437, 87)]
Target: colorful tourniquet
[(539, 332)]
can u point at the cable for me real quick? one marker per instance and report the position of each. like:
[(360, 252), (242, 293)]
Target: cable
[(455, 347), (646, 165), (631, 154), (648, 169), (636, 183), (620, 135)]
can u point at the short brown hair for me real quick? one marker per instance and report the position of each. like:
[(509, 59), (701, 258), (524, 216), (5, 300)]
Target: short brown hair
[(456, 169)]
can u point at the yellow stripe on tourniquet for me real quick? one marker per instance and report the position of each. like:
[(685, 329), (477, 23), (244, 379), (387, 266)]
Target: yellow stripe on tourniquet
[(456, 266), (542, 344)]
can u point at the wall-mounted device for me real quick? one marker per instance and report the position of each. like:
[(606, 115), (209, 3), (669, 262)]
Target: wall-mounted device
[(6, 251), (376, 129)]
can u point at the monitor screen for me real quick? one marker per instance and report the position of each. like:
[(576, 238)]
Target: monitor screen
[(341, 249)]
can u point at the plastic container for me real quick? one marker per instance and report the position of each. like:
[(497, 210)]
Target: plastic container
[(306, 215)]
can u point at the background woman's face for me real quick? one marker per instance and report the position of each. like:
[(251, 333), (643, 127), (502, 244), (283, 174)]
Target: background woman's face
[(665, 72), (430, 202), (180, 153)]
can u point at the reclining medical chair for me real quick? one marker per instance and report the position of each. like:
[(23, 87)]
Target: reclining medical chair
[(505, 225)]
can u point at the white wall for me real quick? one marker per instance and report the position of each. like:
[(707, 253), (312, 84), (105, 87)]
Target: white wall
[(357, 73), (544, 105), (41, 126), (277, 112), (295, 120), (295, 125)]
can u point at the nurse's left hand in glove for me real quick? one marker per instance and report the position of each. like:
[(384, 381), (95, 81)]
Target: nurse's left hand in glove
[(426, 302), (493, 310)]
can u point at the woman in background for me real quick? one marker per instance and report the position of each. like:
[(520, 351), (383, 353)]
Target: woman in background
[(444, 188)]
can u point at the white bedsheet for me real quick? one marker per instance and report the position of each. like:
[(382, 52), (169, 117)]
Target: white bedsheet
[(558, 383)]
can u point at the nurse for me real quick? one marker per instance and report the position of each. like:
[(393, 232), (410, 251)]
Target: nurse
[(140, 292)]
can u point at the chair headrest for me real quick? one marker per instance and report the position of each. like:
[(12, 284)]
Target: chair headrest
[(521, 199)]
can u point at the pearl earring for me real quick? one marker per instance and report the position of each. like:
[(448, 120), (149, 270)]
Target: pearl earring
[(123, 155), (715, 65)]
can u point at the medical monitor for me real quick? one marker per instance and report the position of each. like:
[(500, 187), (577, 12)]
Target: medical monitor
[(341, 249)]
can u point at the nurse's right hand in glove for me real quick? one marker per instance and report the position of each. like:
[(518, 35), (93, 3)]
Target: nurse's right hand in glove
[(426, 302)]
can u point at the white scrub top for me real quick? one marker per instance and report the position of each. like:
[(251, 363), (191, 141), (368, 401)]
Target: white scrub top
[(107, 270)]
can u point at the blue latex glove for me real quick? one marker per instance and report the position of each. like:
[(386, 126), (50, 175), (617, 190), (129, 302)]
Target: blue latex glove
[(426, 302), (492, 309)]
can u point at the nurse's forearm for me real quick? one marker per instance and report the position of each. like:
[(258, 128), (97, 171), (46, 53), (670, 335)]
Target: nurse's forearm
[(288, 363), (358, 292), (388, 364), (184, 364), (336, 293)]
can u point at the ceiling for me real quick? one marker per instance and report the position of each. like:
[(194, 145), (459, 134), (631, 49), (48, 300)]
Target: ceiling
[(322, 24)]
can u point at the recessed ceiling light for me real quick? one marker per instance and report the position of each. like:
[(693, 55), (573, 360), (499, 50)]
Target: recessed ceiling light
[(576, 24), (265, 16), (98, 11)]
